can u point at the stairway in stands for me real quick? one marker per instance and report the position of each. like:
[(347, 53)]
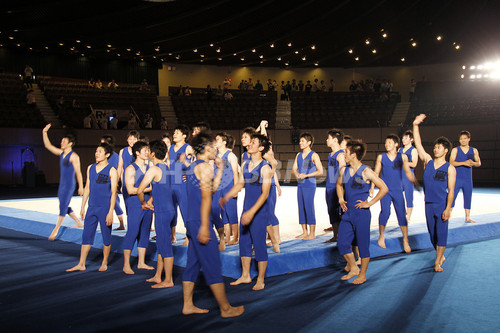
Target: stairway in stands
[(45, 109), (400, 113), (167, 111), (284, 115)]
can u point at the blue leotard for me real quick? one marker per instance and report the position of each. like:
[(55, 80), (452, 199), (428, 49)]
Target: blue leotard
[(67, 184), (392, 176), (464, 176), (177, 174), (306, 190), (332, 200), (164, 211), (407, 184)]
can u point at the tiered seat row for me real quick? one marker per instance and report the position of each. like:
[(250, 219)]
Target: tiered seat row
[(14, 111), (247, 107), (341, 109), (143, 102), (450, 103)]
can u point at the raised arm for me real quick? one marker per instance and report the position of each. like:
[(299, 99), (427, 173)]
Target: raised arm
[(417, 140), (266, 174), (75, 160), (46, 142)]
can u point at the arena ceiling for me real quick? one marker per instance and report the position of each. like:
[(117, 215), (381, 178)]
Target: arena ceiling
[(294, 33)]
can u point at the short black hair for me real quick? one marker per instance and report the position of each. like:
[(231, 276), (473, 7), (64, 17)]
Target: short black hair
[(71, 138), (357, 147), (134, 133), (409, 133), (184, 130), (248, 130), (336, 133), (224, 136), (108, 149), (200, 141), (308, 137), (109, 139), (203, 126), (464, 132), (137, 147), (166, 135), (445, 142), (230, 142), (394, 138), (263, 142), (159, 148)]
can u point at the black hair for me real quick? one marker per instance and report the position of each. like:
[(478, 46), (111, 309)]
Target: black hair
[(336, 133), (445, 142), (184, 130), (71, 138), (166, 135), (225, 137), (203, 126), (308, 137), (409, 133), (200, 141), (263, 142), (464, 132), (108, 149), (137, 147), (159, 148), (134, 133), (109, 139), (394, 138), (357, 147), (230, 142), (144, 139), (248, 130)]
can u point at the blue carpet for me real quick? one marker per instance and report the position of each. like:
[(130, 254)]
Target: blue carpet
[(296, 255), (402, 294)]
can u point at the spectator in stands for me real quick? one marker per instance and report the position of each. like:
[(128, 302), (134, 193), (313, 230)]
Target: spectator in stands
[(92, 82), (164, 123), (112, 85), (187, 91), (413, 85), (60, 103), (288, 88), (283, 96), (275, 84), (242, 85), (180, 91), (331, 88), (294, 85), (30, 99), (228, 96), (87, 121), (308, 87), (28, 76), (75, 104), (316, 87), (113, 123), (270, 86), (98, 84), (148, 121), (144, 85), (132, 123), (226, 83), (353, 86), (377, 86), (300, 85), (323, 86), (258, 86), (103, 122), (219, 91), (249, 84), (209, 92)]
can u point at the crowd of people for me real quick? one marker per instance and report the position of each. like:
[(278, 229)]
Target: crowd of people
[(203, 178)]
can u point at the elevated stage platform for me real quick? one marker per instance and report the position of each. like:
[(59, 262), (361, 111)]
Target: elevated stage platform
[(36, 216)]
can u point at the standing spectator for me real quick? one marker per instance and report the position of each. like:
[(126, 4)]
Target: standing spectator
[(413, 85), (288, 88), (219, 91), (308, 87), (114, 121), (300, 85), (353, 86), (209, 92), (241, 86), (294, 85), (132, 123), (28, 76), (144, 85), (270, 85), (323, 86), (226, 83), (98, 84), (316, 87), (283, 91), (377, 86), (164, 123), (112, 85), (92, 82), (331, 88), (30, 99), (103, 122), (87, 121), (258, 86), (187, 91), (249, 84)]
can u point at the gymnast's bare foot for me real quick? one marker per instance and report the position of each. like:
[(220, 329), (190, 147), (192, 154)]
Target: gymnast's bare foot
[(232, 242), (77, 225), (128, 270), (163, 284), (103, 268), (231, 312), (121, 227), (381, 242), (302, 235), (242, 279), (259, 285), (309, 237), (154, 279), (331, 240), (186, 242), (144, 266), (438, 268), (359, 280), (442, 260), (77, 268), (328, 229), (222, 245), (469, 220), (406, 246), (358, 262), (352, 273), (276, 248), (53, 235), (187, 310)]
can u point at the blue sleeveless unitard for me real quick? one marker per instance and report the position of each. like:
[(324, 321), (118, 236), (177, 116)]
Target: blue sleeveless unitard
[(177, 172), (407, 184), (391, 174), (464, 177), (164, 211), (306, 189), (67, 184), (332, 200), (113, 160)]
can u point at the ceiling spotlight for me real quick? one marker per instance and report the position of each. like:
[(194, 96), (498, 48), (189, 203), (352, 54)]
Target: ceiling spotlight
[(18, 44), (367, 42), (480, 67), (219, 59), (61, 44), (162, 59), (218, 50), (457, 47), (262, 61), (279, 58), (201, 60), (350, 51), (108, 51), (46, 47), (154, 57), (118, 54), (272, 45), (83, 55), (414, 44), (403, 59), (142, 59), (138, 53), (472, 67), (439, 38), (374, 51), (261, 56), (31, 49), (479, 76), (296, 52), (170, 54), (109, 45), (78, 41), (357, 58), (88, 46), (316, 64), (211, 44), (462, 76), (157, 49), (472, 76), (129, 50), (289, 44), (384, 35), (253, 50), (234, 54), (195, 50), (178, 57), (464, 67), (202, 55), (286, 64), (313, 47), (304, 58), (10, 37), (242, 59)]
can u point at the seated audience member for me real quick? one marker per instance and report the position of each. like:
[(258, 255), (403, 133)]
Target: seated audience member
[(114, 122), (92, 82), (164, 123), (144, 85), (87, 121), (228, 96), (187, 91), (148, 121), (112, 85), (98, 84)]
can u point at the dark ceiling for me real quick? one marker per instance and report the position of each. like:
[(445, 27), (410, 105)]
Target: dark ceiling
[(321, 33)]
